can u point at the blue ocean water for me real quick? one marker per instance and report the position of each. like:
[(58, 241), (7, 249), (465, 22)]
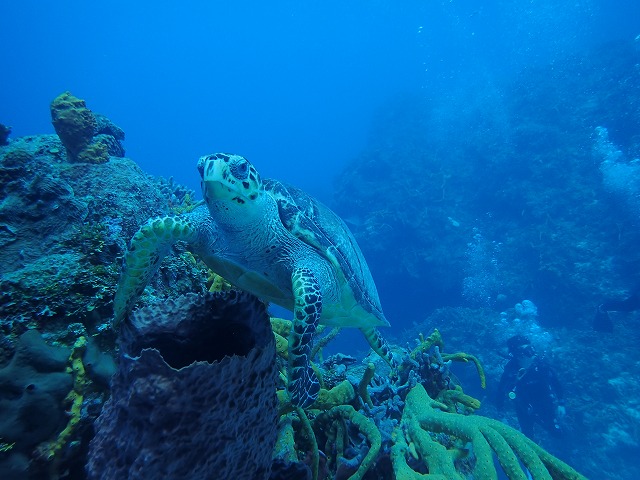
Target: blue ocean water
[(291, 85), (483, 153)]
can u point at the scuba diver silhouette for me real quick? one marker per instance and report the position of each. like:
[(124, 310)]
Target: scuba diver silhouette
[(533, 386)]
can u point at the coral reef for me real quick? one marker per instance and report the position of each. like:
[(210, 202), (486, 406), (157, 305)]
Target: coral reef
[(610, 361), (413, 423), (194, 395), (538, 199), (63, 227)]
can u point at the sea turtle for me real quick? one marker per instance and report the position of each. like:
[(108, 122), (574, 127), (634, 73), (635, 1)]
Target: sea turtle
[(275, 241)]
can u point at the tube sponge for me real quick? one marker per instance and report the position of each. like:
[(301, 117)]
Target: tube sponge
[(422, 417), (194, 394)]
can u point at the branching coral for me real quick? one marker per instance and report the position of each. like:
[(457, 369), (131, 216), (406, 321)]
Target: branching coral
[(465, 357), (423, 417), (337, 434), (452, 398), (323, 341), (425, 344), (341, 394), (424, 435), (363, 392)]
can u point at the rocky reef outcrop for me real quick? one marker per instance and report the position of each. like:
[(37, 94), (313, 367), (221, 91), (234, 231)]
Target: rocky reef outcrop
[(63, 227)]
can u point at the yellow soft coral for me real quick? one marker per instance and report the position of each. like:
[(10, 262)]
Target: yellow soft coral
[(363, 391), (451, 398), (465, 357), (341, 394), (365, 426), (425, 344)]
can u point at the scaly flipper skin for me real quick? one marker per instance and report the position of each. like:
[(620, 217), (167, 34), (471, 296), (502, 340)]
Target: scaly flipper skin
[(303, 385), (379, 345), (147, 249)]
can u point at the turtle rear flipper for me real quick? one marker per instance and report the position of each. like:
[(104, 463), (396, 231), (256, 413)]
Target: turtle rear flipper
[(147, 249), (379, 345)]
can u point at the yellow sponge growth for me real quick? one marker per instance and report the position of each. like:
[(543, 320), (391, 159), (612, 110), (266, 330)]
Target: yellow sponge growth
[(423, 417), (75, 396)]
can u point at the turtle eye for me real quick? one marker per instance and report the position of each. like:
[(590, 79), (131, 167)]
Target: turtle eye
[(240, 170)]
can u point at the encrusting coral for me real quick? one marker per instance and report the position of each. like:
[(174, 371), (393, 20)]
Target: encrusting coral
[(47, 398), (74, 398), (87, 137), (74, 123)]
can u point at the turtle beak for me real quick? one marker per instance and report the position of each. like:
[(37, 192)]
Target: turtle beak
[(227, 177), (218, 184), (216, 190), (214, 171)]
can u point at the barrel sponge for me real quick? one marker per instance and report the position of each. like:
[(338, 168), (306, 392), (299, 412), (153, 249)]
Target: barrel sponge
[(194, 393)]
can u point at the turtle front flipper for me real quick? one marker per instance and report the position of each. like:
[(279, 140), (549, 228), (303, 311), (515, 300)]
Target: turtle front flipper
[(148, 247), (303, 384), (379, 345)]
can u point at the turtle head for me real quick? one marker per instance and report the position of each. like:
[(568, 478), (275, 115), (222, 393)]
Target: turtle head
[(227, 177), (230, 183)]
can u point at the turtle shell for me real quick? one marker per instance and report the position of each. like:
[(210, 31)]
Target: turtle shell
[(318, 226)]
